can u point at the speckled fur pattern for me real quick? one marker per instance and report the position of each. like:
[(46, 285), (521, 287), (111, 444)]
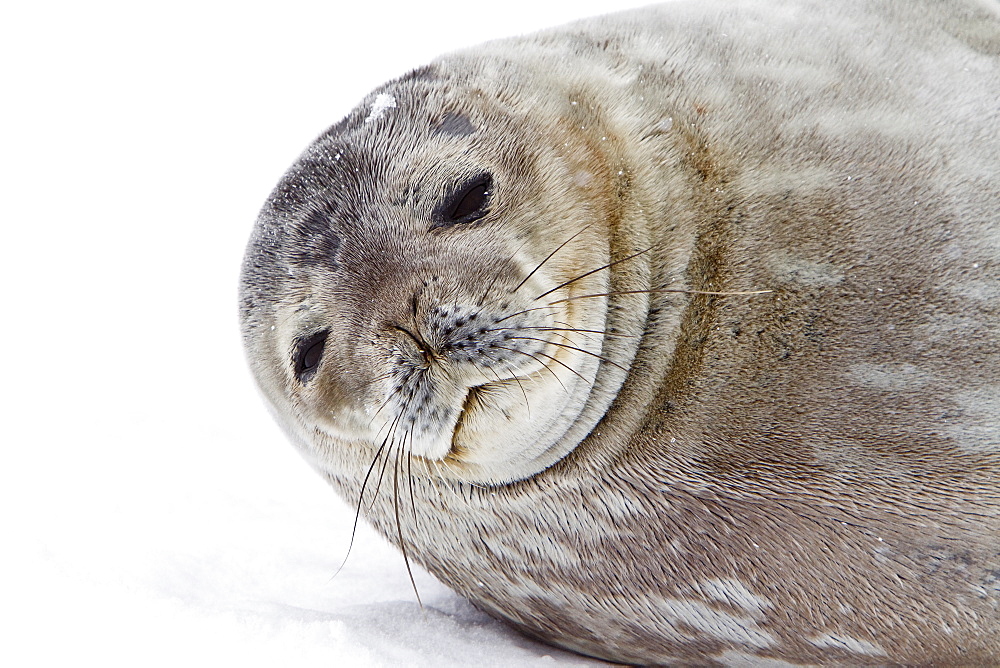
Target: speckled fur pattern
[(664, 474)]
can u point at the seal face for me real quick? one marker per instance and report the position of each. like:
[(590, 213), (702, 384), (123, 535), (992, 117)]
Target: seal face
[(669, 336), (442, 289)]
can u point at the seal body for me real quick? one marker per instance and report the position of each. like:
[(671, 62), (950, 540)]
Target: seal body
[(669, 336)]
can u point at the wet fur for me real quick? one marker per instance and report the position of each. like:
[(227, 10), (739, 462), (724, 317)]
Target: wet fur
[(810, 475)]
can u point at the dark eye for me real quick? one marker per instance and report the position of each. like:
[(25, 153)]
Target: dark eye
[(308, 354), (466, 203)]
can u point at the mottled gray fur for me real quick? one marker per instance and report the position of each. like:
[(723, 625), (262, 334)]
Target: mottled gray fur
[(806, 475)]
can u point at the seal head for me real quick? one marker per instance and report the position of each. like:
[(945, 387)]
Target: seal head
[(430, 285)]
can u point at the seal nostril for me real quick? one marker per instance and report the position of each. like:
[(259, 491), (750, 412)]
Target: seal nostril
[(308, 355)]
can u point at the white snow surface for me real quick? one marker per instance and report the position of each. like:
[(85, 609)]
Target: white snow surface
[(153, 514)]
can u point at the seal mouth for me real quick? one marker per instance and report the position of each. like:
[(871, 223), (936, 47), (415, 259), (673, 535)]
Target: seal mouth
[(472, 398)]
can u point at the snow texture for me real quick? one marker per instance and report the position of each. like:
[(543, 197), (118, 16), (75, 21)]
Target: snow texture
[(383, 101), (153, 514)]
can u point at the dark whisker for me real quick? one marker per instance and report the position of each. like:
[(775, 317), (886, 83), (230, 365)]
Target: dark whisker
[(566, 329), (390, 438), (357, 510), (594, 271), (566, 338), (527, 310), (409, 476), (598, 331), (496, 275), (547, 258), (546, 366), (527, 404), (581, 350), (399, 525), (661, 291), (385, 403)]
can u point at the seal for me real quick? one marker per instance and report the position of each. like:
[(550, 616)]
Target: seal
[(669, 336)]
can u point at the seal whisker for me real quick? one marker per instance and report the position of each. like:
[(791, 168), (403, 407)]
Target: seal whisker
[(497, 275), (527, 404), (385, 403), (593, 271), (663, 291), (391, 439), (544, 365), (565, 345), (409, 476), (527, 310), (500, 381), (399, 524), (357, 509), (602, 332), (547, 258), (565, 337), (558, 331)]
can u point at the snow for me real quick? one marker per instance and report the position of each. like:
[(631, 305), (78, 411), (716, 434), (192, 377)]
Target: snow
[(383, 101), (153, 514)]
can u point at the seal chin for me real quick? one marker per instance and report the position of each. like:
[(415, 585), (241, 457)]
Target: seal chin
[(421, 424)]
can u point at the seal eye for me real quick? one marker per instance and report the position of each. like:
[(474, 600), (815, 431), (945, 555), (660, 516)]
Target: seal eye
[(466, 203), (308, 354)]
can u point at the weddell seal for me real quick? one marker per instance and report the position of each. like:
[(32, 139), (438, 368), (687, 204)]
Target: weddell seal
[(669, 336)]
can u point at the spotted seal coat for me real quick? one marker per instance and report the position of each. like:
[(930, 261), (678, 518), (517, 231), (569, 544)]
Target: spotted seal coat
[(669, 336)]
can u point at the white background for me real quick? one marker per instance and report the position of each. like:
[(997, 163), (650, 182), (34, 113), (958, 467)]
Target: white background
[(152, 513)]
